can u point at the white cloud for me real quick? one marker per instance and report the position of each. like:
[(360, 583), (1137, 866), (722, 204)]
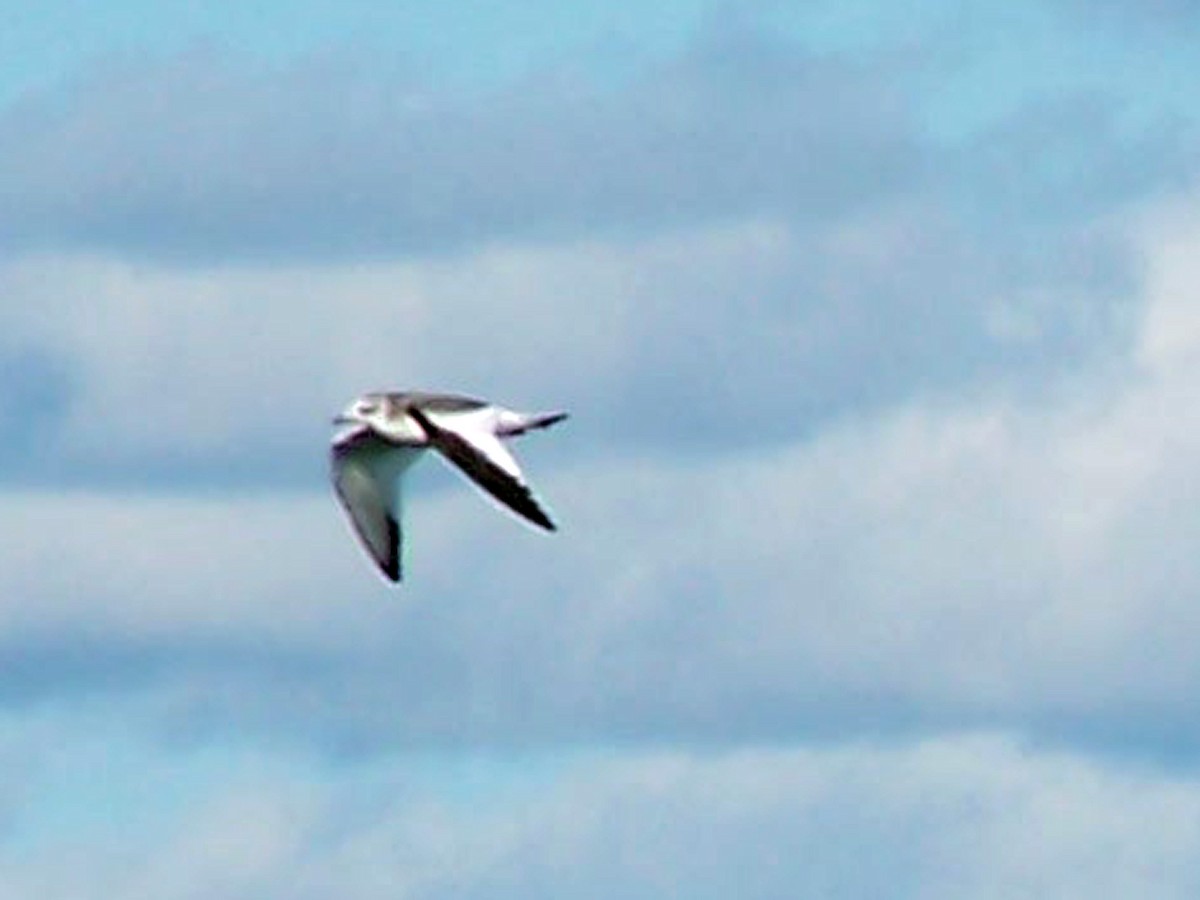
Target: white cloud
[(1021, 562), (196, 363), (1024, 568), (933, 481), (960, 817), (702, 336)]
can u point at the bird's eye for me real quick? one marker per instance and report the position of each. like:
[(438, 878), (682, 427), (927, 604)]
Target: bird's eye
[(369, 409)]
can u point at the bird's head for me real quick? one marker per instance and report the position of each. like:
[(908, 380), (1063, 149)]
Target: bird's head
[(369, 409)]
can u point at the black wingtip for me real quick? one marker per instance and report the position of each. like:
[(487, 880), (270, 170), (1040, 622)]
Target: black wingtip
[(391, 566), (543, 520)]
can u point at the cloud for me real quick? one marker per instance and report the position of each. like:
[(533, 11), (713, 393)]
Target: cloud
[(949, 818), (880, 438), (742, 244), (710, 338), (963, 817), (1030, 569), (205, 156), (1069, 157)]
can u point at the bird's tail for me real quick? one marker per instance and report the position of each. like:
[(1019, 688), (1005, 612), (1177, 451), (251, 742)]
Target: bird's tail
[(514, 423)]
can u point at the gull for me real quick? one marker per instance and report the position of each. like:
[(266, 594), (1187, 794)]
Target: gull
[(389, 431)]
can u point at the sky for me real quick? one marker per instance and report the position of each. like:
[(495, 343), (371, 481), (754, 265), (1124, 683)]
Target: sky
[(876, 573)]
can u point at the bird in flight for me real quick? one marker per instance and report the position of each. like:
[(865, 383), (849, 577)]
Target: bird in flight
[(389, 431)]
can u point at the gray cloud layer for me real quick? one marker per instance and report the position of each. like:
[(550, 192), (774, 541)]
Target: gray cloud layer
[(203, 156), (208, 157), (745, 217)]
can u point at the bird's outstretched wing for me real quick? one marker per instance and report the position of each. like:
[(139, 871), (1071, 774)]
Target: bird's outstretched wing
[(485, 460), (366, 473)]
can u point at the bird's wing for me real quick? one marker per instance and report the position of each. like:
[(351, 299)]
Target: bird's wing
[(366, 473), (467, 443)]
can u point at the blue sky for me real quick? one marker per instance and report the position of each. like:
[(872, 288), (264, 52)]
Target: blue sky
[(879, 334)]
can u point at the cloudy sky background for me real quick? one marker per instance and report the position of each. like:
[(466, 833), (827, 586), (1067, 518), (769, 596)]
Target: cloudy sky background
[(877, 571)]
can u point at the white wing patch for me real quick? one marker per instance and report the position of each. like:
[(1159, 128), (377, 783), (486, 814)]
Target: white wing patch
[(478, 428), (490, 446), (469, 443), (367, 475)]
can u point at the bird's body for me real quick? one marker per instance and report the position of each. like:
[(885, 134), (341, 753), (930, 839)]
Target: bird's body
[(389, 431)]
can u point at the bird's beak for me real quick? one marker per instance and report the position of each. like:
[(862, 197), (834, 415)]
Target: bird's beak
[(342, 419)]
